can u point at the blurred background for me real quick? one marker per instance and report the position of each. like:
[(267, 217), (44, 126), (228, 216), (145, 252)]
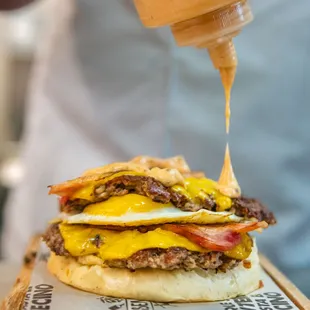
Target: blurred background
[(19, 33)]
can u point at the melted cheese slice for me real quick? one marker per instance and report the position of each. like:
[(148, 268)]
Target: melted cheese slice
[(80, 241), (242, 250), (201, 189)]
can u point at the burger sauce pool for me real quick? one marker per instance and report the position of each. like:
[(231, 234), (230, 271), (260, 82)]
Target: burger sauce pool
[(228, 184)]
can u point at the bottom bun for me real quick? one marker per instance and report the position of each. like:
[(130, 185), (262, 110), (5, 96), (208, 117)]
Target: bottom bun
[(159, 285)]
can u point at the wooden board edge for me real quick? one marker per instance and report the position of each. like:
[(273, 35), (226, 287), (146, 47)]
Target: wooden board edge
[(15, 299), (294, 294)]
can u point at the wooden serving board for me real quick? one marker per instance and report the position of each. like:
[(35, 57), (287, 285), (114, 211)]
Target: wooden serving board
[(15, 299)]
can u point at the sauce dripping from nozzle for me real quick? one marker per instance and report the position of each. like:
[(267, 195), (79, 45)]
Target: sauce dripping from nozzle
[(228, 77), (227, 183)]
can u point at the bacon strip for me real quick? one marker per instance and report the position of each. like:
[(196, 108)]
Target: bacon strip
[(69, 187), (63, 200), (215, 237)]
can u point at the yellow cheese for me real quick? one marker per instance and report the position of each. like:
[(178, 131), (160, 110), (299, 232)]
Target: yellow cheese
[(194, 189), (87, 192), (199, 189), (80, 241), (117, 206), (242, 250)]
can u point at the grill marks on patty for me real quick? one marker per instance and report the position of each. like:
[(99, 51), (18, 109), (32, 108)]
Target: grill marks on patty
[(167, 259), (153, 189)]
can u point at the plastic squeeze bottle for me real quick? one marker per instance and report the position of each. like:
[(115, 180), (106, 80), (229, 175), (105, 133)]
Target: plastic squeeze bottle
[(211, 25)]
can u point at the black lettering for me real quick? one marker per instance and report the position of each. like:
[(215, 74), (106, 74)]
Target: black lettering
[(262, 302), (161, 305), (272, 294), (280, 303), (44, 294), (42, 297), (44, 287), (111, 300), (41, 302), (116, 307), (244, 303), (277, 300), (242, 299), (257, 295), (228, 306), (140, 305), (27, 298)]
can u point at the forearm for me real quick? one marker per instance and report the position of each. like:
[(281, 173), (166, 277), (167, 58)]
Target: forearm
[(6, 5)]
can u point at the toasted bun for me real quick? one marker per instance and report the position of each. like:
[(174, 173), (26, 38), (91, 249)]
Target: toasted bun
[(158, 285)]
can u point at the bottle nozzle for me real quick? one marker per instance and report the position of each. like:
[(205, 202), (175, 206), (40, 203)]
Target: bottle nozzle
[(223, 55)]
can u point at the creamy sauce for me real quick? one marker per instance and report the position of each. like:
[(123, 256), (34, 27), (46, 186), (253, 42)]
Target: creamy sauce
[(228, 77), (176, 162), (228, 184), (168, 176)]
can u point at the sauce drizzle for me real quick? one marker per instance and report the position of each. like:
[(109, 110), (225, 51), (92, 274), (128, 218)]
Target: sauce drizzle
[(228, 77), (227, 183)]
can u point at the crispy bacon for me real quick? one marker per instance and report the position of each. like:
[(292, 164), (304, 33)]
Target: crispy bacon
[(63, 200), (215, 237), (69, 187), (243, 227)]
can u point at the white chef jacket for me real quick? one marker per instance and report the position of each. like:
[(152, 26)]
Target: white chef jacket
[(107, 89)]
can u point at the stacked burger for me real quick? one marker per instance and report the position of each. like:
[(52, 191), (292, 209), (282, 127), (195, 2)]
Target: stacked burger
[(152, 229)]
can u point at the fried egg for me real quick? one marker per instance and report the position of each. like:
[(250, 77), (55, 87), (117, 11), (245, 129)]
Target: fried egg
[(137, 210)]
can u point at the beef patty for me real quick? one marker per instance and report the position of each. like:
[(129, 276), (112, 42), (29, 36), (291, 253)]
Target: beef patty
[(153, 189), (167, 259)]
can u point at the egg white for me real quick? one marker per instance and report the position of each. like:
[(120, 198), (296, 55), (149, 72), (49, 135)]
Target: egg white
[(160, 216)]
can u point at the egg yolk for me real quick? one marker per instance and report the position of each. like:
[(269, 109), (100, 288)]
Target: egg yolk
[(130, 203)]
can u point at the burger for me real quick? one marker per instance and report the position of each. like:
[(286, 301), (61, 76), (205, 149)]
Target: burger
[(152, 229)]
